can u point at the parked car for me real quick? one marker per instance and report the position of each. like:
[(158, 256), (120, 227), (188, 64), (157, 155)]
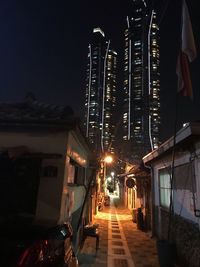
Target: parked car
[(23, 244)]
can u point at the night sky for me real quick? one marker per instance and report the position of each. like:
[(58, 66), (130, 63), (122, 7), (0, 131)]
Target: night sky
[(44, 46)]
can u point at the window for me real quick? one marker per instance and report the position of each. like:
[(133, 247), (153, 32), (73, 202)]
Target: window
[(164, 187), (76, 173)]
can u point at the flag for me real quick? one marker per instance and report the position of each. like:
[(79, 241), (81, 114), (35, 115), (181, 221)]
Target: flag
[(187, 53)]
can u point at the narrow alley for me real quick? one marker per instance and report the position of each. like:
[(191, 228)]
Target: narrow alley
[(121, 243)]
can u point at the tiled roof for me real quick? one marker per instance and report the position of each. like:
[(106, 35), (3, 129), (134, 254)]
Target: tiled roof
[(32, 110)]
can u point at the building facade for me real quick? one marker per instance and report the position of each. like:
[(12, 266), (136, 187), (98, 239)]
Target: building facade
[(141, 112), (100, 98), (44, 143), (175, 176)]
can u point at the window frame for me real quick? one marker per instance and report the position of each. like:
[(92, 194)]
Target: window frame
[(166, 171)]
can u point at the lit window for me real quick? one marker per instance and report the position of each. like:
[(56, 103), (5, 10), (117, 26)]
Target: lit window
[(164, 187)]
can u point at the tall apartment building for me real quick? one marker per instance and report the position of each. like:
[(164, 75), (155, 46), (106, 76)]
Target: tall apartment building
[(100, 100), (141, 112)]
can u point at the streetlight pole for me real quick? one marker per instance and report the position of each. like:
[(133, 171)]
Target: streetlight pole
[(107, 160), (104, 175), (113, 176)]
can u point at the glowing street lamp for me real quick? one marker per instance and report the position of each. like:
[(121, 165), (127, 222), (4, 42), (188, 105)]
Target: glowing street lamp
[(112, 174), (109, 179), (106, 160)]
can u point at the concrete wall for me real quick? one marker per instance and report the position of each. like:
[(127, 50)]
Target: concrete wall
[(45, 142), (76, 150), (183, 199), (186, 235), (54, 197), (185, 225), (50, 188), (51, 194)]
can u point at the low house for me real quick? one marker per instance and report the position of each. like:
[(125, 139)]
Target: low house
[(175, 171), (44, 164), (136, 193)]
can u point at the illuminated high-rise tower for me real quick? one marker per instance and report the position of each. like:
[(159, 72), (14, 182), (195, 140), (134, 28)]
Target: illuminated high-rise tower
[(100, 97), (141, 113)]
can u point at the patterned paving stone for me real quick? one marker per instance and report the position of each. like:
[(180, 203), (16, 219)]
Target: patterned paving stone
[(116, 236), (142, 248)]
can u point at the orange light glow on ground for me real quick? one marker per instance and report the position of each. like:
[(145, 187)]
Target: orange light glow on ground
[(111, 210)]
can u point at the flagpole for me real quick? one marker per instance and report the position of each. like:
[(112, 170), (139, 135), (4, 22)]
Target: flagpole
[(171, 207), (171, 210)]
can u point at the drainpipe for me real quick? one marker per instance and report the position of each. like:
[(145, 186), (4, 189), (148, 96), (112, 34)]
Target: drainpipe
[(152, 200)]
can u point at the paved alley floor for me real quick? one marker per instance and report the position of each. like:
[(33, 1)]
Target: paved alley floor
[(121, 243)]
